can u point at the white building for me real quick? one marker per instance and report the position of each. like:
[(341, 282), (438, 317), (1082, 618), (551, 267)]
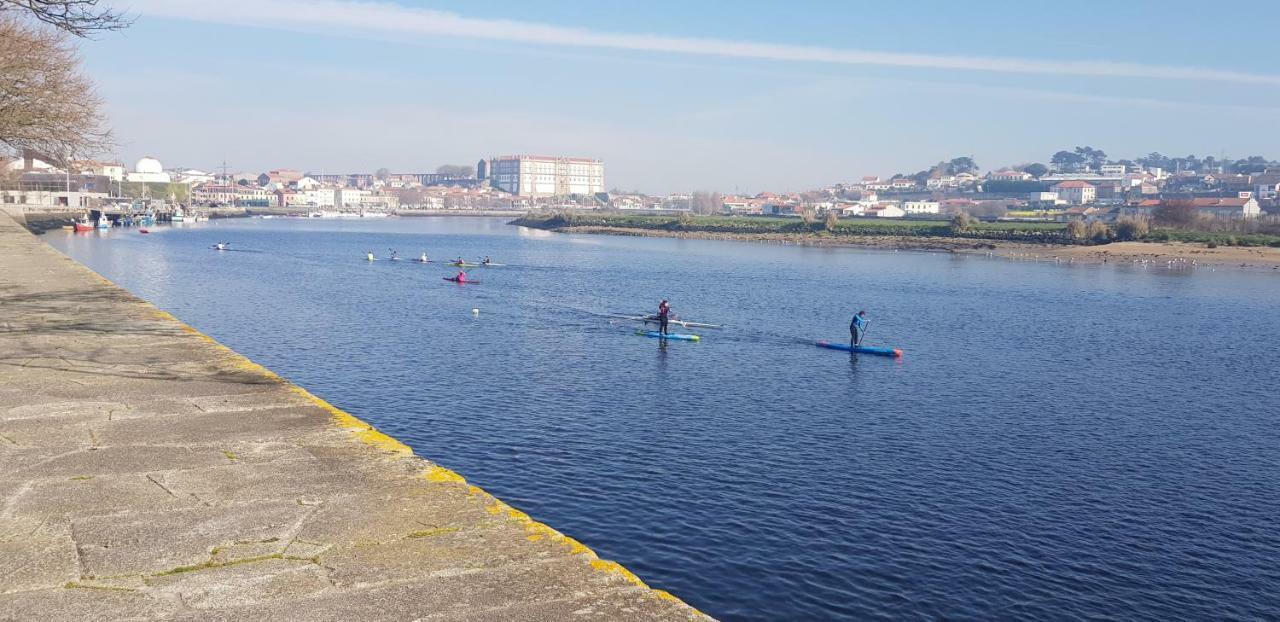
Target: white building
[(1113, 169), (148, 170), (1076, 192), (921, 207), (886, 211), (545, 176)]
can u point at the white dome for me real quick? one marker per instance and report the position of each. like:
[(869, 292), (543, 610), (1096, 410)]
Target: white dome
[(148, 165)]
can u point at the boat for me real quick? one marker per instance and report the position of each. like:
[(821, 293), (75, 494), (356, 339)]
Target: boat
[(677, 336), (144, 231), (82, 225), (104, 222), (464, 264), (177, 215), (454, 279), (654, 319), (878, 351)]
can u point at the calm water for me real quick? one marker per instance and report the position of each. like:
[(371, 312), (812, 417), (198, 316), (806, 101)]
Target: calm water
[(1059, 441)]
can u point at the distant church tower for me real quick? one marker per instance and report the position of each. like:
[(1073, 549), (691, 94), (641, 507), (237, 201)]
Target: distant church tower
[(482, 169)]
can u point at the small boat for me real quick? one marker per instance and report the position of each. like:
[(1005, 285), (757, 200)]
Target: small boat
[(878, 351), (144, 231), (454, 279), (464, 264), (657, 335), (82, 226)]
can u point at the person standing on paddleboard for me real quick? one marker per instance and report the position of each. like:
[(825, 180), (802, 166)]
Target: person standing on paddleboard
[(858, 328), (664, 314)]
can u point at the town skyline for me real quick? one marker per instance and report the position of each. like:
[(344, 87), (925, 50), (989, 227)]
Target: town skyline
[(678, 98)]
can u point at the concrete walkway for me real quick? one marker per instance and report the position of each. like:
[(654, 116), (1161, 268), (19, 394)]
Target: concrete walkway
[(147, 472)]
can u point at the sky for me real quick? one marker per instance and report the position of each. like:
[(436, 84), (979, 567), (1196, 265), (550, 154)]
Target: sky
[(746, 96)]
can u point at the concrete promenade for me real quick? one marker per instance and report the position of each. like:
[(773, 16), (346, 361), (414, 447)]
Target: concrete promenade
[(149, 473)]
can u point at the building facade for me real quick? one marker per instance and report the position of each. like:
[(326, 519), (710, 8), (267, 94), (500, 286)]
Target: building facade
[(545, 176), (1076, 192)]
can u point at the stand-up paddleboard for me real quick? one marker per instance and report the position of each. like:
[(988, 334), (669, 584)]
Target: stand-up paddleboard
[(657, 335), (454, 279), (652, 319), (894, 352)]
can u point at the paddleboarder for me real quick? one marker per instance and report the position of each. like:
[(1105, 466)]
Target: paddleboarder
[(858, 328), (664, 315)]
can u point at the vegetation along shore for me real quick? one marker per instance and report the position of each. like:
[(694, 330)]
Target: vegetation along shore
[(1125, 241)]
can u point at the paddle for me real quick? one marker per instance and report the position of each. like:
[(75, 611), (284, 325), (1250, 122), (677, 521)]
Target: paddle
[(863, 334)]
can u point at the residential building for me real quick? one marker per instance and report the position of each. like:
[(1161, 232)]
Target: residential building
[(902, 183), (546, 176), (1009, 175), (1076, 192), (283, 177), (921, 207), (886, 210), (1113, 169)]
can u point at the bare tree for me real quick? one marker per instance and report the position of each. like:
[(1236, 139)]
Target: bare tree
[(81, 18), (457, 170), (46, 104)]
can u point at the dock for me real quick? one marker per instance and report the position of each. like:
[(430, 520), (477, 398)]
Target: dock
[(147, 472)]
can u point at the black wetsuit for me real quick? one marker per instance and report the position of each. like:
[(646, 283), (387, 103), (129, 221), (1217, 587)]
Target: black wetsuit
[(664, 314)]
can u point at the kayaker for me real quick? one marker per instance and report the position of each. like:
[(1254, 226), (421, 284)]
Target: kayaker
[(487, 261), (664, 315), (858, 328), (369, 256), (394, 255), (423, 258), (460, 262), (462, 276)]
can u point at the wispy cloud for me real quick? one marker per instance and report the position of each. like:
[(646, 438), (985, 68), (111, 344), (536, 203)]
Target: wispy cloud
[(396, 21)]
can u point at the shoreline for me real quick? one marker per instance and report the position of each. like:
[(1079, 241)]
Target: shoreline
[(1168, 253)]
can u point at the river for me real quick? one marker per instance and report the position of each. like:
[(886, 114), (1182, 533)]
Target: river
[(1058, 442)]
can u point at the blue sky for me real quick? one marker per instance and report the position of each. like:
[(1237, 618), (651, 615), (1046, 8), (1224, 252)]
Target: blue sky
[(744, 96)]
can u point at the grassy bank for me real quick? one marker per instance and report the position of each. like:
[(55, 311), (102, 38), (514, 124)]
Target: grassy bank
[(1052, 233), (1036, 233)]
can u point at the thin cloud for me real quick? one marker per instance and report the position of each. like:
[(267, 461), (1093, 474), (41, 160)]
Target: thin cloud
[(396, 20)]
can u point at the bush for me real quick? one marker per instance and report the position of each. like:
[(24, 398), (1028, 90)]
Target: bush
[(833, 219), (1076, 230), (1099, 232), (960, 223), (808, 216), (1131, 228)]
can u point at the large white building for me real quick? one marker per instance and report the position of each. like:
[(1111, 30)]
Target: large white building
[(545, 176), (148, 170)]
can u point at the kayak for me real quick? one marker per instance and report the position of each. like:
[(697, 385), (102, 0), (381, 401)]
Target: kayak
[(454, 279), (657, 335), (653, 319), (894, 352), (475, 265), (143, 231)]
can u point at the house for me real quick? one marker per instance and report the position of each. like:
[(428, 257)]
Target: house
[(1266, 186), (1088, 213), (1237, 207), (1043, 199), (1112, 169), (854, 210), (1076, 192), (1009, 175), (886, 210), (921, 207), (902, 183)]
